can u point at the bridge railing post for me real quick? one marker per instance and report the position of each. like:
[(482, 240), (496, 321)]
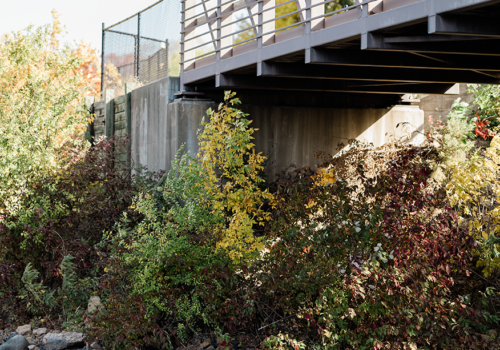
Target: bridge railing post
[(218, 34), (260, 8), (308, 17), (187, 55), (226, 39), (311, 12), (266, 15)]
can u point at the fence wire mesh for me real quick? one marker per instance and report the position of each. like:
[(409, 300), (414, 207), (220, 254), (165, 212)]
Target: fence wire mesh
[(142, 48)]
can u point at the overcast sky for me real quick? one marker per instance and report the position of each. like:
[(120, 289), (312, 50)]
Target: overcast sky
[(83, 19)]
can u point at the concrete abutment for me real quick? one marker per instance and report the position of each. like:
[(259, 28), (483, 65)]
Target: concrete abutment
[(159, 124)]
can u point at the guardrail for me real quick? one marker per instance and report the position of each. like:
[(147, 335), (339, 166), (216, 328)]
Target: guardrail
[(209, 36)]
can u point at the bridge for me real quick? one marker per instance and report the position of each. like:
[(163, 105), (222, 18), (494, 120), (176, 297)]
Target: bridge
[(372, 47)]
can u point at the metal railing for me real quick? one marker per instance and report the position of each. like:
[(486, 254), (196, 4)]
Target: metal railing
[(211, 35)]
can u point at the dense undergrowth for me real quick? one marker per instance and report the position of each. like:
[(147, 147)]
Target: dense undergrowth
[(394, 247), (371, 249)]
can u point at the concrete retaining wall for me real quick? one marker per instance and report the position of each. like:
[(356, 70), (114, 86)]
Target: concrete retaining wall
[(439, 106), (99, 119), (293, 135), (151, 126), (286, 135), (159, 125), (121, 115)]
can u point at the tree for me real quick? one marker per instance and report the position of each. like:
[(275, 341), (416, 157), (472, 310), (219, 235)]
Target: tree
[(43, 85), (287, 20), (295, 18)]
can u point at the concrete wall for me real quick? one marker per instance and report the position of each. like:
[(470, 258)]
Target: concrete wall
[(293, 135), (104, 115), (439, 106), (151, 125), (99, 119), (286, 135), (121, 114)]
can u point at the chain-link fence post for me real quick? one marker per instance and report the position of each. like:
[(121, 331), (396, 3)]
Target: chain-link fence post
[(102, 58), (138, 43)]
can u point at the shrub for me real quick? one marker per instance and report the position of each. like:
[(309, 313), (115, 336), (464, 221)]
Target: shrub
[(362, 252), (197, 231), (481, 116), (43, 185), (232, 168), (368, 262), (471, 179), (41, 109), (65, 215)]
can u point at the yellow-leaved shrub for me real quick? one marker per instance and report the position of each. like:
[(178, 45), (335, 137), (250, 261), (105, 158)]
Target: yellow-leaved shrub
[(472, 181), (234, 169)]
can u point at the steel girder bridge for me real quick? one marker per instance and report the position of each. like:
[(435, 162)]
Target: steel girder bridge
[(373, 47)]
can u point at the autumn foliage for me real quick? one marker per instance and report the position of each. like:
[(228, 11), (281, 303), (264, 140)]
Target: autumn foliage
[(394, 247), (364, 251)]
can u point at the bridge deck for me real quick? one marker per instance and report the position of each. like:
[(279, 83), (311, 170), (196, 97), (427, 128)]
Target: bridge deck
[(433, 44)]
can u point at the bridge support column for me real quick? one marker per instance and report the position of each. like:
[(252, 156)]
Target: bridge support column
[(293, 135)]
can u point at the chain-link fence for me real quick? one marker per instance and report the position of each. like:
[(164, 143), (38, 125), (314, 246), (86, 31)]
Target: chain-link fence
[(142, 48)]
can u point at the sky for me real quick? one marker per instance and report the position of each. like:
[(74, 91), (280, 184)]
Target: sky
[(83, 19)]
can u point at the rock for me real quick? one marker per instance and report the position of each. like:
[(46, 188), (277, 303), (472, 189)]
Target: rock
[(205, 343), (485, 337), (16, 342), (33, 347), (94, 304), (95, 345), (39, 332), (63, 340), (12, 335), (23, 330)]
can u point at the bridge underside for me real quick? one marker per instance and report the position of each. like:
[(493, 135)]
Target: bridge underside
[(418, 47)]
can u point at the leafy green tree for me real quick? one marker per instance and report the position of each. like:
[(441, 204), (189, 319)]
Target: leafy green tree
[(41, 110), (295, 18), (287, 20)]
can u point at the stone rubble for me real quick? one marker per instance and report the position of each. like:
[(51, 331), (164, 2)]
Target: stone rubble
[(39, 332), (23, 337), (24, 330), (15, 342), (95, 346), (26, 338), (63, 340)]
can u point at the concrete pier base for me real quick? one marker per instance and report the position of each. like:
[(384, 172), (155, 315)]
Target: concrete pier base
[(290, 135), (286, 135)]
